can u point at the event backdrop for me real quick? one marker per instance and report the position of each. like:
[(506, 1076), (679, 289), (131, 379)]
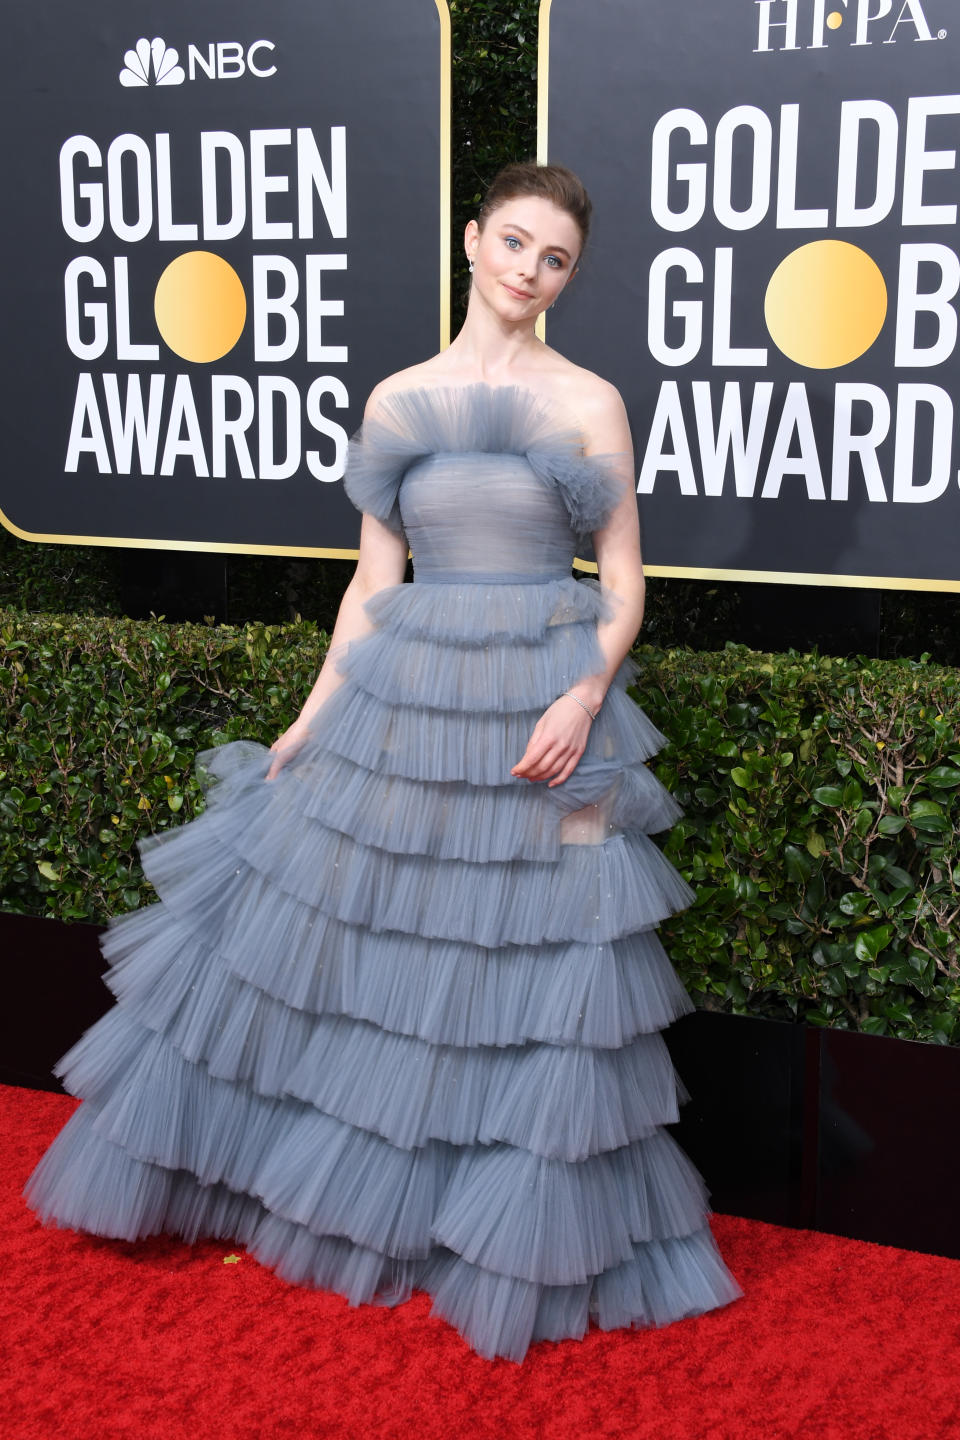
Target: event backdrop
[(773, 276), (223, 223)]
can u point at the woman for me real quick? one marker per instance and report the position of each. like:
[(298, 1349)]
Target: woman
[(395, 1022)]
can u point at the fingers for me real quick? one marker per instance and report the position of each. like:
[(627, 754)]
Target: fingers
[(566, 772), (537, 764)]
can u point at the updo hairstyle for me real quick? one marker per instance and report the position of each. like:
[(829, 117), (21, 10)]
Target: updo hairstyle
[(549, 182)]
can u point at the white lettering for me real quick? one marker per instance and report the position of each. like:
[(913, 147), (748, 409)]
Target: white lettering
[(853, 113), (846, 443), (904, 461), (167, 229), (667, 420), (183, 413), (262, 185), (723, 352), (311, 176), (746, 117), (126, 350), (918, 160), (90, 441), (788, 216), (911, 302), (691, 174), (317, 307), (223, 429), (91, 192), (281, 306), (95, 310), (212, 142), (251, 65), (718, 447), (327, 385), (271, 388), (689, 311), (139, 227), (129, 423), (795, 419)]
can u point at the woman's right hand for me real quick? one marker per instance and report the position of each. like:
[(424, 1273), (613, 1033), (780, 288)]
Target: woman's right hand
[(287, 745)]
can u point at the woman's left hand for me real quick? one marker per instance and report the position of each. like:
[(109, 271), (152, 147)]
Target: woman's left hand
[(556, 743)]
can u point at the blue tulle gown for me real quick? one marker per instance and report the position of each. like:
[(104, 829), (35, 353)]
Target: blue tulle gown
[(394, 1023)]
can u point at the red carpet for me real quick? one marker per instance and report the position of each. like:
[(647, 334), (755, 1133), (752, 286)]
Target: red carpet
[(834, 1339)]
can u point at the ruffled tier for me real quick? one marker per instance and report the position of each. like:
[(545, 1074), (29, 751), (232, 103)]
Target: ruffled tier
[(478, 748), (470, 614), (387, 1028), (444, 992), (592, 893), (565, 1101), (89, 1183)]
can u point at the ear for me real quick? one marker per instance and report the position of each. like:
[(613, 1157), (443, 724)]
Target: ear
[(471, 236)]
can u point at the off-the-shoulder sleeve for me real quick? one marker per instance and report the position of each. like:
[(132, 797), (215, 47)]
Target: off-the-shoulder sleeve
[(591, 485), (377, 456)]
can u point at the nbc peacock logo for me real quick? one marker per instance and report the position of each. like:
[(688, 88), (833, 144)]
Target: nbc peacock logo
[(152, 62)]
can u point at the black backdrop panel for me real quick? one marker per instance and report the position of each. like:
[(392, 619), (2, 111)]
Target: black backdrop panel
[(210, 257), (773, 277)]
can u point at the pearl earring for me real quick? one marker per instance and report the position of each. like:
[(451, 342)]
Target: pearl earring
[(470, 267)]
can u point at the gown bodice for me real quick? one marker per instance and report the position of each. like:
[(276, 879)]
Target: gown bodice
[(484, 481)]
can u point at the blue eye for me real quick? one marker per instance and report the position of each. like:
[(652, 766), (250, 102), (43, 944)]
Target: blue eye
[(511, 240), (555, 262)]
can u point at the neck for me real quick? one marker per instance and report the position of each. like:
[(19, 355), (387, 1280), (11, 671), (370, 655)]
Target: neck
[(490, 347)]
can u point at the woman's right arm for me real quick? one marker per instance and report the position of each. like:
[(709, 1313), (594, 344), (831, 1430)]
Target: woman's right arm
[(381, 561)]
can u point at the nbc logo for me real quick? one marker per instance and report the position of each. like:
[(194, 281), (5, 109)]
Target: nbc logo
[(151, 54), (153, 62)]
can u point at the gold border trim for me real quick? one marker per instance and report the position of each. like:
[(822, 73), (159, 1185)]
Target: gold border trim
[(225, 547), (543, 112), (446, 178), (789, 577)]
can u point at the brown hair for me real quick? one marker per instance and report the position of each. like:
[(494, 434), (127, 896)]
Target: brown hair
[(550, 182)]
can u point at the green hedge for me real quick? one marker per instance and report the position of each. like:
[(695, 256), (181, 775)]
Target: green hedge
[(821, 832), (821, 800)]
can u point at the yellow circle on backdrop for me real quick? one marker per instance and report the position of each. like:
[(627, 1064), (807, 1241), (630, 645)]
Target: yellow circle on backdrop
[(825, 304), (200, 306), (834, 20)]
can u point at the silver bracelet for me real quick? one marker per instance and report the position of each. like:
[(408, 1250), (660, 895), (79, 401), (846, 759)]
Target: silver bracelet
[(580, 702)]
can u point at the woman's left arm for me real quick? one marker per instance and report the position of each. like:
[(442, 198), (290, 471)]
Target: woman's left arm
[(560, 736)]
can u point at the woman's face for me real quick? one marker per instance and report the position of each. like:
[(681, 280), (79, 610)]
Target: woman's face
[(524, 256)]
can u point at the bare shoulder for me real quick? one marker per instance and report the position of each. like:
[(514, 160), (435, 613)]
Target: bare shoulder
[(406, 379), (598, 407)]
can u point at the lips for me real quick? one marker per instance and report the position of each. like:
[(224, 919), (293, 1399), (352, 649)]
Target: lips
[(520, 294)]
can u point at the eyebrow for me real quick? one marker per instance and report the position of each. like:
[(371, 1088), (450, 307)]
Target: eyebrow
[(527, 236)]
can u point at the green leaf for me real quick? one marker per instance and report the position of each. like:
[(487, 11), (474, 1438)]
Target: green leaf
[(830, 795), (869, 943), (798, 863), (943, 777), (925, 809), (47, 870)]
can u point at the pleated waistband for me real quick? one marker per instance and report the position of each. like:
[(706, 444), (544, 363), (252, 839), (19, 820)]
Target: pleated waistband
[(490, 577)]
